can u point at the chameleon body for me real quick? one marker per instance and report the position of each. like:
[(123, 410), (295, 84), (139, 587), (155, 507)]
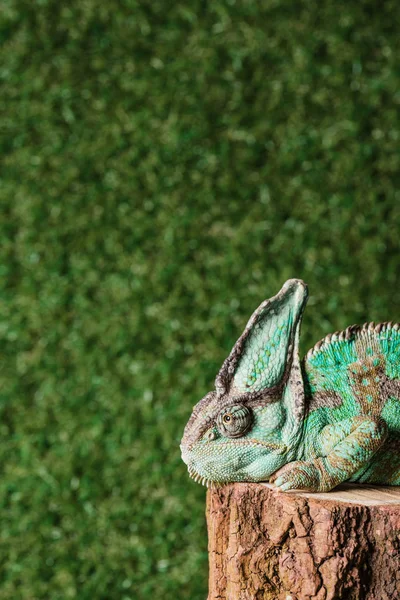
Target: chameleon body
[(302, 424)]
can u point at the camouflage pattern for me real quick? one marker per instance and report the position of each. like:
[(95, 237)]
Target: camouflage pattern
[(309, 424)]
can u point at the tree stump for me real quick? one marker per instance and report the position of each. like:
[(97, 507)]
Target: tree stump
[(269, 545)]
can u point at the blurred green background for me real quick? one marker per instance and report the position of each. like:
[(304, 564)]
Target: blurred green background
[(166, 167)]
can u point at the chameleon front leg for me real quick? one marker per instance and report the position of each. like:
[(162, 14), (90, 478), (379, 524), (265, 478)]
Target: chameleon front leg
[(340, 451)]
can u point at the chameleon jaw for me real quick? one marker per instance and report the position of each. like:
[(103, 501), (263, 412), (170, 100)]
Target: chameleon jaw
[(198, 478), (204, 481), (276, 449)]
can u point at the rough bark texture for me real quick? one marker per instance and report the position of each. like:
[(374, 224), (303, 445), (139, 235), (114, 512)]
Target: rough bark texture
[(267, 545)]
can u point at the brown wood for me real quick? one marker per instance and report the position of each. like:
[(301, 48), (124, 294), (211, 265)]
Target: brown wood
[(269, 545)]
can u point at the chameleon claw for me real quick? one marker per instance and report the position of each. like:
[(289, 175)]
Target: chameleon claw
[(285, 487)]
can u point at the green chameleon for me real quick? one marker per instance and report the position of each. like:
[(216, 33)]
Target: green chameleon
[(310, 424)]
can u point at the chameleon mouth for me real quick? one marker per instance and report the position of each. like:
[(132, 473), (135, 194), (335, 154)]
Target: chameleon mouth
[(213, 484), (280, 448)]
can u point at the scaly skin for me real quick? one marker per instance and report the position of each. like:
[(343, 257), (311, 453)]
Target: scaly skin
[(311, 425)]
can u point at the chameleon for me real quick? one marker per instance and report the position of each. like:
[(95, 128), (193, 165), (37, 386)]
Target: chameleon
[(301, 424)]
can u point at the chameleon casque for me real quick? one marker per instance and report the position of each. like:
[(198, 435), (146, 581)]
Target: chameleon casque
[(302, 424)]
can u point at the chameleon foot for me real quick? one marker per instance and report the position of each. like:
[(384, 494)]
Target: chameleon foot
[(297, 475)]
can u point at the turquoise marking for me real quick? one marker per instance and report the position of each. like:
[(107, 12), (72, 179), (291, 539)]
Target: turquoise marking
[(390, 346), (329, 367), (265, 353), (391, 413)]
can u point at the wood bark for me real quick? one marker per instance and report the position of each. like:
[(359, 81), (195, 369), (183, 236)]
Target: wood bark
[(269, 545)]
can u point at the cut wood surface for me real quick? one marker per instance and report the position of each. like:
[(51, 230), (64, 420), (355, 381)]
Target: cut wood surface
[(269, 545)]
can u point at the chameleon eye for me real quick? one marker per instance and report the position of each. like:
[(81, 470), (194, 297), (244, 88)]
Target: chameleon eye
[(234, 421)]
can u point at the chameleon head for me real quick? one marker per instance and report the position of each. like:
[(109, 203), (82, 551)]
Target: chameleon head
[(250, 425)]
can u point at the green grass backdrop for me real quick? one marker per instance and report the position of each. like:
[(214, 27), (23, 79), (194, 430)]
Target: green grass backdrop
[(165, 167)]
